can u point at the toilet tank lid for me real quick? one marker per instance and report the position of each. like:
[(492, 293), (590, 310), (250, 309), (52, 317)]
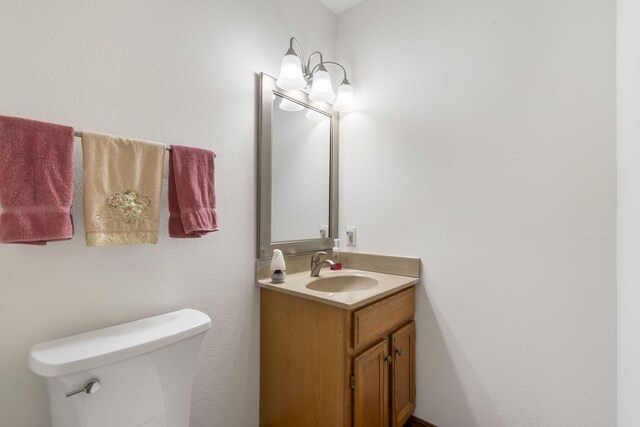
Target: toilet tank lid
[(102, 347)]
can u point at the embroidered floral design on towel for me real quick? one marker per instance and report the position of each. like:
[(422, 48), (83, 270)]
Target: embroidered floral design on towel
[(129, 207)]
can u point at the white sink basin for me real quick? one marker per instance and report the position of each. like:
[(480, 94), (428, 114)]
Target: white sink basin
[(343, 283)]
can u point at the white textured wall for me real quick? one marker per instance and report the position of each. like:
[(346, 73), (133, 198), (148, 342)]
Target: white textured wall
[(485, 144), (176, 71), (628, 213)]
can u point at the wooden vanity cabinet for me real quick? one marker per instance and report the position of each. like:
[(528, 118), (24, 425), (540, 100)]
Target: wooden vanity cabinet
[(371, 387), (403, 374), (322, 365)]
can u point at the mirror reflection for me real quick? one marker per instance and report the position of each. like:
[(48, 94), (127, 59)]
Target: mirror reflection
[(300, 165)]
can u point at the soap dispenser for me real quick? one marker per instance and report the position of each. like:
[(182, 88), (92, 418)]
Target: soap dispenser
[(336, 255)]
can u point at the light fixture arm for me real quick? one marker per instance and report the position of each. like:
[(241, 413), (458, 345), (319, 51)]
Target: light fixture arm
[(308, 74), (344, 81), (292, 50), (308, 70)]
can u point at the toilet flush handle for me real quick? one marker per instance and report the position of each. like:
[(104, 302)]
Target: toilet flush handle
[(92, 386)]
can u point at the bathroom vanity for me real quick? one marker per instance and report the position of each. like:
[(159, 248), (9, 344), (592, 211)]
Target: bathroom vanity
[(337, 354), (336, 350)]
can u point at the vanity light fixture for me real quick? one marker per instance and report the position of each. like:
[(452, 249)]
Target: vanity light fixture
[(295, 74)]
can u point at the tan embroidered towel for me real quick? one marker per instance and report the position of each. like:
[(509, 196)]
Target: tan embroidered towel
[(122, 190)]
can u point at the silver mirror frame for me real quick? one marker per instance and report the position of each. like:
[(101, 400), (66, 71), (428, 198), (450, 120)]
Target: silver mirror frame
[(268, 88)]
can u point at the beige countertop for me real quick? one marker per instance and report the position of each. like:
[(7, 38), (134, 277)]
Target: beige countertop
[(296, 284)]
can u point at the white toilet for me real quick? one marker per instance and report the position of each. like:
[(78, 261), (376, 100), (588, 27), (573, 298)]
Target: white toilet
[(138, 374)]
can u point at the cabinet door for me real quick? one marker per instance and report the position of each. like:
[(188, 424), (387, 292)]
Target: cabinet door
[(371, 393), (403, 377)]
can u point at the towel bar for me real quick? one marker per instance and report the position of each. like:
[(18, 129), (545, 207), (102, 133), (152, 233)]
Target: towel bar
[(78, 133)]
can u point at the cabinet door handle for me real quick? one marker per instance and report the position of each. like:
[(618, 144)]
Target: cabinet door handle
[(389, 360), (399, 351)]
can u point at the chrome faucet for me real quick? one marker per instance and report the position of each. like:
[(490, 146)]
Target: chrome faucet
[(315, 259), (316, 269), (316, 263)]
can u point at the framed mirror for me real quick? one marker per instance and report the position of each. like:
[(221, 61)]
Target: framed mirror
[(297, 171)]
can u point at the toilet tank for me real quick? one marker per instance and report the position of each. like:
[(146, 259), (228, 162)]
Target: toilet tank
[(144, 369)]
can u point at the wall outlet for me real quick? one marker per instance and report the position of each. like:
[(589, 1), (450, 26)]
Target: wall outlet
[(351, 235)]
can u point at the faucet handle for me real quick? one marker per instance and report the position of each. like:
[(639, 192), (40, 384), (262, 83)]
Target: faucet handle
[(316, 257)]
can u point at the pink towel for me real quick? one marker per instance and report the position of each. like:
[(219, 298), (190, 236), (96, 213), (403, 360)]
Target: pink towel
[(192, 196), (36, 181)]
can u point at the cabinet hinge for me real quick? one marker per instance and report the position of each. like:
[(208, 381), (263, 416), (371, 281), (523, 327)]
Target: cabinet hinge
[(353, 382)]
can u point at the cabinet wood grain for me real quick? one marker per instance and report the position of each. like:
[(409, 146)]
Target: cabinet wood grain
[(370, 399), (372, 322), (308, 360), (403, 401), (304, 375)]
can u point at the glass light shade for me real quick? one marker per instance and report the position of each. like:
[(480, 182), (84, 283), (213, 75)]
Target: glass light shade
[(287, 105), (291, 77), (314, 115), (321, 89), (345, 97)]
